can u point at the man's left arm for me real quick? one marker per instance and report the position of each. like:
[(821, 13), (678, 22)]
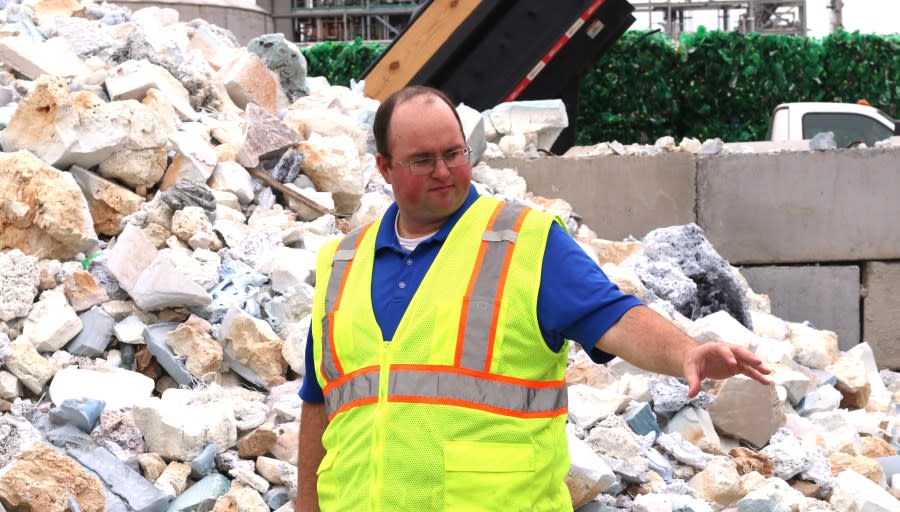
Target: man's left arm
[(649, 341)]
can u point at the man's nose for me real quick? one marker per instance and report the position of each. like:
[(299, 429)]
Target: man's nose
[(441, 168)]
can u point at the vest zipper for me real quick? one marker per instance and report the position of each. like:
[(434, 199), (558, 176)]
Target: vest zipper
[(379, 448)]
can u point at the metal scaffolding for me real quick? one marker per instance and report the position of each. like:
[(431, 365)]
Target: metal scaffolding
[(763, 16), (345, 20), (383, 20)]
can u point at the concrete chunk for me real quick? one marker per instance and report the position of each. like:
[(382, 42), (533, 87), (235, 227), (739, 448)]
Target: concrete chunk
[(695, 426), (179, 430), (161, 285), (721, 327), (45, 211), (32, 370), (747, 410), (132, 79), (588, 474), (40, 475), (856, 493), (265, 134), (109, 202), (116, 387), (52, 322), (249, 81), (83, 291), (28, 56), (19, 280)]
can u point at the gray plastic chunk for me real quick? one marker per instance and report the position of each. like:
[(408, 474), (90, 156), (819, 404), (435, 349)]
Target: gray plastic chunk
[(68, 435), (115, 503), (81, 412), (95, 335), (138, 493), (155, 336), (245, 371), (202, 495), (642, 420), (204, 463), (73, 505), (276, 497)]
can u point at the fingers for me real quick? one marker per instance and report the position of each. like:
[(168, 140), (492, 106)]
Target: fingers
[(757, 375), (748, 364), (693, 380)]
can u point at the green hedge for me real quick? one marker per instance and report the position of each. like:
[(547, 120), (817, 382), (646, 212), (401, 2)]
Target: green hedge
[(706, 84), (341, 61)]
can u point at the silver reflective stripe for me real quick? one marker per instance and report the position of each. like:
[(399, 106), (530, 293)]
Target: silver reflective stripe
[(507, 235), (477, 391), (344, 255), (453, 389), (339, 265), (480, 309), (358, 387)]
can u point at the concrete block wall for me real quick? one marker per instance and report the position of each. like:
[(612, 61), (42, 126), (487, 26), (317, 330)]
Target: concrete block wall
[(826, 296), (817, 232), (612, 194), (801, 207), (881, 325), (244, 19)]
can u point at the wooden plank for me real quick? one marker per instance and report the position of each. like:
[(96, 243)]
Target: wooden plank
[(416, 46), (268, 180)]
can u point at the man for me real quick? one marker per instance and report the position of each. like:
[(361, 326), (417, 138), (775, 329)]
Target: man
[(439, 334)]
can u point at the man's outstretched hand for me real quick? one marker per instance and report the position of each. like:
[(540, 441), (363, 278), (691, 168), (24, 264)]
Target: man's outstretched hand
[(721, 361)]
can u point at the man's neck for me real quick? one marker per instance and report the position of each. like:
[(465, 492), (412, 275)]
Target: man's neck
[(407, 229)]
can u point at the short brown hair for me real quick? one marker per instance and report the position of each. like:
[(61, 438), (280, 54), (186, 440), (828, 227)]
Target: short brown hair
[(386, 111)]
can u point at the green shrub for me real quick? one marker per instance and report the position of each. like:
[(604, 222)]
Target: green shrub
[(706, 84)]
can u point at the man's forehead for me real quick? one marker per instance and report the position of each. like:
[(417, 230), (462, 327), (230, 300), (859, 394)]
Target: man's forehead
[(417, 102), (409, 115)]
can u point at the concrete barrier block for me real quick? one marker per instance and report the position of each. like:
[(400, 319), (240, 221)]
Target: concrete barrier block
[(827, 296), (881, 309), (616, 196), (801, 207)]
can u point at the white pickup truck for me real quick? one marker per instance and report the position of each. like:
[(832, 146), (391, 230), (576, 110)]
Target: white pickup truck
[(851, 123)]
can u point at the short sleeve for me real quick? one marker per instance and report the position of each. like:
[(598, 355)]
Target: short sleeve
[(576, 300), (311, 391)]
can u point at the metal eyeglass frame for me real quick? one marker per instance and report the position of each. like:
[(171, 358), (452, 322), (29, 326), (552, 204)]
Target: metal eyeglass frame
[(466, 151)]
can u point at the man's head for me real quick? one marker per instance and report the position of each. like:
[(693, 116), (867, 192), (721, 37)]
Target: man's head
[(412, 124)]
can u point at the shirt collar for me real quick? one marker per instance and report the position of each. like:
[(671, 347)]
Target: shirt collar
[(387, 236)]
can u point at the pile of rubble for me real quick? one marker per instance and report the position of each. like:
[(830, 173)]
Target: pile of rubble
[(163, 193)]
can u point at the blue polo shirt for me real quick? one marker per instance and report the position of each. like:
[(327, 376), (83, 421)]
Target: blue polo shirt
[(576, 300)]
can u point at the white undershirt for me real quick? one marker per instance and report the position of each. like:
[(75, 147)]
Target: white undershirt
[(410, 244)]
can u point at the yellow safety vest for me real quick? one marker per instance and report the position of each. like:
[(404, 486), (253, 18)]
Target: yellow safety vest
[(465, 409)]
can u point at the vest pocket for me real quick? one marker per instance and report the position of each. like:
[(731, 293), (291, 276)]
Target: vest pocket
[(326, 484), (488, 476)]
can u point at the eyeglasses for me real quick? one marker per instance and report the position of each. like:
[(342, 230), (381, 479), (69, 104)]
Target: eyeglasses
[(423, 166)]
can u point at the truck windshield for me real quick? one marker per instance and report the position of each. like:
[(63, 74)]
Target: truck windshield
[(849, 129)]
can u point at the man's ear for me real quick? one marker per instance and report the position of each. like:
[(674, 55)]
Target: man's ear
[(384, 167)]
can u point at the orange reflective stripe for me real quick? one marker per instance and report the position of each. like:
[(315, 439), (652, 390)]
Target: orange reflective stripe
[(447, 385), (351, 405), (346, 377), (341, 264)]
